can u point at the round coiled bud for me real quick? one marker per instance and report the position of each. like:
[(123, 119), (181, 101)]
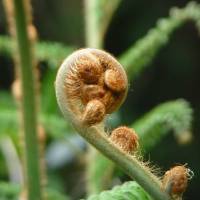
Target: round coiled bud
[(89, 69), (176, 179), (91, 75), (114, 80), (125, 138), (94, 112)]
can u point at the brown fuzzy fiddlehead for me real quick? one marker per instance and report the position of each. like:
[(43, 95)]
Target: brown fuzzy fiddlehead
[(95, 84), (125, 138)]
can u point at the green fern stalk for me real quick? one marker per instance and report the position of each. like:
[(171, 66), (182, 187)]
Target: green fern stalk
[(98, 15), (29, 114), (92, 34), (151, 128)]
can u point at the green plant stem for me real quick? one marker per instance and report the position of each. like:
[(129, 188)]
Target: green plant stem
[(92, 33), (28, 102), (96, 136), (98, 15), (128, 163)]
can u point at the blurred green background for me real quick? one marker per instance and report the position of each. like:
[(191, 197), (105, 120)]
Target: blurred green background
[(174, 73)]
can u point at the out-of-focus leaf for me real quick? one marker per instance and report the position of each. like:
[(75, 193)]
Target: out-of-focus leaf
[(98, 178), (140, 55), (51, 52), (55, 126), (55, 195), (10, 191), (174, 115), (6, 101)]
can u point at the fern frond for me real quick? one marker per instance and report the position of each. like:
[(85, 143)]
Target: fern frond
[(144, 50), (55, 126), (174, 115), (51, 52), (129, 190)]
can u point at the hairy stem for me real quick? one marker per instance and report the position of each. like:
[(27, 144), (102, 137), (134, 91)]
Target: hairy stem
[(29, 114), (128, 163), (97, 137)]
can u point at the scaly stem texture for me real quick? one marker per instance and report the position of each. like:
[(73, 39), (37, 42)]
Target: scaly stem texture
[(28, 102)]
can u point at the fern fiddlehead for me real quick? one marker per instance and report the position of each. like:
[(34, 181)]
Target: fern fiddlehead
[(90, 84)]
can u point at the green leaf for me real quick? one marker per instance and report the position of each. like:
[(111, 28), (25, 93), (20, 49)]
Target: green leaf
[(128, 191)]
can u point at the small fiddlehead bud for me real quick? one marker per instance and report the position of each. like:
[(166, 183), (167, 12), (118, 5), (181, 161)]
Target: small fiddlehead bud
[(94, 112), (115, 80), (125, 138), (175, 180), (95, 84)]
